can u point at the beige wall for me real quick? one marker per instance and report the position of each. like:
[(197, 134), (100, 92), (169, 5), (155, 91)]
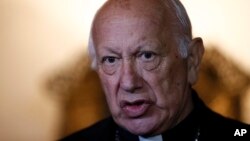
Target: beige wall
[(38, 37), (225, 24)]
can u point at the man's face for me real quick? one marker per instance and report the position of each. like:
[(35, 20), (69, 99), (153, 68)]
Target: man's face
[(142, 73)]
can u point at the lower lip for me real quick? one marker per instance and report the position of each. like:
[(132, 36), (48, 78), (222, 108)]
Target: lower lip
[(134, 111)]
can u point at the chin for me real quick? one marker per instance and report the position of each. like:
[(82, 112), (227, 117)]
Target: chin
[(139, 126)]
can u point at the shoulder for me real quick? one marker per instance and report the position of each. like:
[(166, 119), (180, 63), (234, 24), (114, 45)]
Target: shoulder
[(217, 119), (102, 130), (216, 125)]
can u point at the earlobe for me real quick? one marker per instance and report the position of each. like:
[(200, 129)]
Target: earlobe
[(196, 51)]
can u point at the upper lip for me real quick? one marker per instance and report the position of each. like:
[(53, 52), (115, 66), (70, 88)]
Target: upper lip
[(125, 103)]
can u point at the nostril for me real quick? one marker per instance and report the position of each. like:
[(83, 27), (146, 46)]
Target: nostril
[(131, 89), (130, 84)]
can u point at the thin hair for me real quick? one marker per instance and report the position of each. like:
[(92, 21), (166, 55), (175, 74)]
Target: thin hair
[(184, 35)]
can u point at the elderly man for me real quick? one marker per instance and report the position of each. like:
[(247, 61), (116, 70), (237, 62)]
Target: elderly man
[(147, 61)]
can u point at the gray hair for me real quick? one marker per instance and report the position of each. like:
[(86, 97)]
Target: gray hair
[(183, 37)]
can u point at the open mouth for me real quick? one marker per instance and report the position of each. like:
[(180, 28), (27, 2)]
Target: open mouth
[(136, 108)]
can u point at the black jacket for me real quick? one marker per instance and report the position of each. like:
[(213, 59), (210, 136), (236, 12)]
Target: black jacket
[(201, 123)]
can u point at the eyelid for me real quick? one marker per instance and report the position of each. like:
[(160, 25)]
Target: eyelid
[(143, 52), (104, 58)]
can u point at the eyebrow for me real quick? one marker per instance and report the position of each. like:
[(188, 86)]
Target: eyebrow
[(139, 46), (110, 49), (152, 44)]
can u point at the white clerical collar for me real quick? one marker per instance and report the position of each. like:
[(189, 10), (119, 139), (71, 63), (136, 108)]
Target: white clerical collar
[(154, 138)]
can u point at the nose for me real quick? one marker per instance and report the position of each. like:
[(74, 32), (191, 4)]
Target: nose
[(130, 80)]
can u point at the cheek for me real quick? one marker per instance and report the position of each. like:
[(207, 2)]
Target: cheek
[(167, 82), (110, 85), (109, 82)]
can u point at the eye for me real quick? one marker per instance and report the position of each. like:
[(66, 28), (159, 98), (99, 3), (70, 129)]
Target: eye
[(147, 55), (149, 60), (109, 64), (109, 59)]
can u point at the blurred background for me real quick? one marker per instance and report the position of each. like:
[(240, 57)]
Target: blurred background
[(47, 89)]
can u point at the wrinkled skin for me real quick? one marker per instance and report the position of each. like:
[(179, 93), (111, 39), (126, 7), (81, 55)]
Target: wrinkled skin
[(146, 81)]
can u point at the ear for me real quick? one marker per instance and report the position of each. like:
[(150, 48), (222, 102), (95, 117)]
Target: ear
[(196, 51)]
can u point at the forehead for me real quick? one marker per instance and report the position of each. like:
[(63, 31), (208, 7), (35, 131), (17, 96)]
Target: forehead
[(124, 24), (118, 18), (151, 9), (126, 31), (118, 11)]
